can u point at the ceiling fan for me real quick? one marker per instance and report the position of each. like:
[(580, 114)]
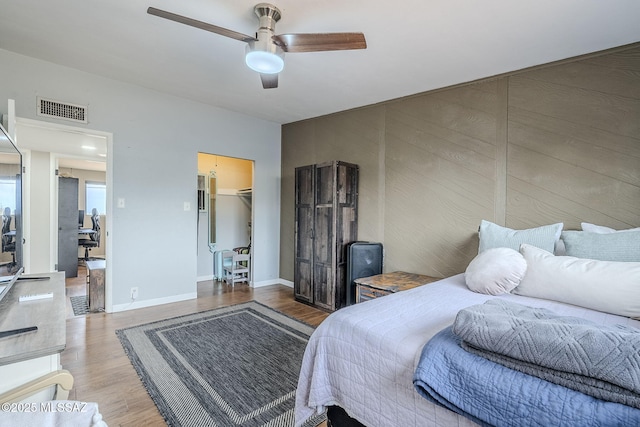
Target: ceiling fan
[(265, 51)]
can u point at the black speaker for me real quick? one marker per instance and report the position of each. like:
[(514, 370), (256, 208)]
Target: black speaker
[(364, 259)]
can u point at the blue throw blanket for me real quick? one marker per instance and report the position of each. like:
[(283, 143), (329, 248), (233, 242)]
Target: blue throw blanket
[(493, 395)]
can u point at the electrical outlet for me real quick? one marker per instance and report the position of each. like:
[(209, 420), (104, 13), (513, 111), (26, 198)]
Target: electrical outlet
[(134, 293)]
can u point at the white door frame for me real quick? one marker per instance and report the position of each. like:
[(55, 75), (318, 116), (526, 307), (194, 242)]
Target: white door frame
[(54, 200)]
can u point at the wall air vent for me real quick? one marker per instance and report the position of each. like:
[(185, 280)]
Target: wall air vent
[(62, 110)]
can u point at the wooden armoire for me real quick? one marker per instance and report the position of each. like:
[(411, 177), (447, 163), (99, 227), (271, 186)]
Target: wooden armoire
[(326, 220)]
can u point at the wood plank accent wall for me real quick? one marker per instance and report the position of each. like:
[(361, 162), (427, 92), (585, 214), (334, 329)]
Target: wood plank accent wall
[(559, 143)]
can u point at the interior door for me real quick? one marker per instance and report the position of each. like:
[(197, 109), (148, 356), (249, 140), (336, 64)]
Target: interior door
[(68, 226)]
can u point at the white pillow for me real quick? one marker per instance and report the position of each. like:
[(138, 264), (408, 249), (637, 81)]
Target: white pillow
[(495, 271), (601, 229), (495, 236), (608, 286)]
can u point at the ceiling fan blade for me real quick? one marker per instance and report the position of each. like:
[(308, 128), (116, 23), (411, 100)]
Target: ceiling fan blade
[(316, 42), (269, 81), (199, 24)]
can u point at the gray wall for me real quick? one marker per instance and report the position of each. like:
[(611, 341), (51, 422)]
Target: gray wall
[(557, 143), (156, 139)]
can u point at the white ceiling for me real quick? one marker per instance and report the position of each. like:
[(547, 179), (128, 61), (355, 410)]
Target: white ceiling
[(73, 149), (413, 45)]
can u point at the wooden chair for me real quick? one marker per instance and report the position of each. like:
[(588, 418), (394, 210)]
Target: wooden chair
[(49, 413), (62, 380)]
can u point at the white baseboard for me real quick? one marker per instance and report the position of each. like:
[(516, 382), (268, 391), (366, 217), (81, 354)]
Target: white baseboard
[(204, 278), (273, 282), (286, 283), (152, 302)]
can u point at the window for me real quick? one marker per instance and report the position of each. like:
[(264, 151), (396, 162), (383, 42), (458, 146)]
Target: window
[(7, 193), (95, 197)]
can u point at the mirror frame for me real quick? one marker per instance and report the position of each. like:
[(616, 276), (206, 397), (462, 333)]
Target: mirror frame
[(8, 147)]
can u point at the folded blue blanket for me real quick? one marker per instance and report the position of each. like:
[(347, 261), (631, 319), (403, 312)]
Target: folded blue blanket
[(599, 360), (493, 395)]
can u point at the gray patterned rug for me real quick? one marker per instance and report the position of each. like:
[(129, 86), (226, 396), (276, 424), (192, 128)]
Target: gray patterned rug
[(232, 366), (80, 305)]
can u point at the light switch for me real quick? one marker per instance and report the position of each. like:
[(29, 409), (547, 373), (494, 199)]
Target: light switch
[(121, 202), (187, 206)]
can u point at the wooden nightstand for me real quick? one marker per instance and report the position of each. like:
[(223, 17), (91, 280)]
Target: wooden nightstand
[(388, 283)]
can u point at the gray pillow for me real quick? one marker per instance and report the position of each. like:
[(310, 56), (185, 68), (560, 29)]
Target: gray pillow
[(604, 247), (495, 236)]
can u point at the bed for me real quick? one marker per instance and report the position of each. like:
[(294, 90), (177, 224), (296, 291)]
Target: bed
[(363, 358)]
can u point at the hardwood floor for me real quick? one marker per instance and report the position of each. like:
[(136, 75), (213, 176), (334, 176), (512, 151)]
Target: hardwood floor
[(102, 371)]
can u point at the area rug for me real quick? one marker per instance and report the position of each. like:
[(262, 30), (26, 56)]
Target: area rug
[(80, 305), (232, 366)]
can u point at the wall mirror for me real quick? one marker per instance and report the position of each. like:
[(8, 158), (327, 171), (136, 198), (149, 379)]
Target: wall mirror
[(213, 189), (10, 204)]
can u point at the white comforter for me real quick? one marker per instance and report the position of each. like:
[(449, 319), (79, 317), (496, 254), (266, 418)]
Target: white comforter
[(363, 357)]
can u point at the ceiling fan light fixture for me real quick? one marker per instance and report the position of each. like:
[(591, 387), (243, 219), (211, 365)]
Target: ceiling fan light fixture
[(265, 51), (264, 61)]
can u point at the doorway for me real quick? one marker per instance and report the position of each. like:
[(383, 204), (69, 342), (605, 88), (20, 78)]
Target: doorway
[(79, 153), (225, 218)]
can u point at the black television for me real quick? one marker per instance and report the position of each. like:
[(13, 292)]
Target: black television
[(11, 206)]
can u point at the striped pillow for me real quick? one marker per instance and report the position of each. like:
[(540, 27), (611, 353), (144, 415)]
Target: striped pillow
[(495, 236), (621, 246)]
